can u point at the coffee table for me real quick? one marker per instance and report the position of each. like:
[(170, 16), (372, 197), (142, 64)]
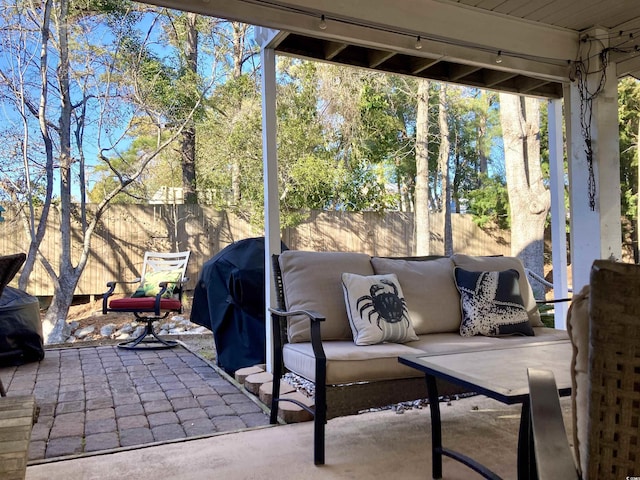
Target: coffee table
[(500, 374)]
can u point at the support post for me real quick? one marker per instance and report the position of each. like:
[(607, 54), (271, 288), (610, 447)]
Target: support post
[(596, 233), (558, 212), (271, 199)]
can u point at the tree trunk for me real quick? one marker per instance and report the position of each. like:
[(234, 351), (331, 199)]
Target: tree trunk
[(443, 161), (422, 170), (66, 279), (36, 232), (529, 199), (238, 50), (188, 137), (483, 161)]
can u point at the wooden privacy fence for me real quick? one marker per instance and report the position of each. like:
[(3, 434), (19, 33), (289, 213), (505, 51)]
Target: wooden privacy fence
[(127, 231)]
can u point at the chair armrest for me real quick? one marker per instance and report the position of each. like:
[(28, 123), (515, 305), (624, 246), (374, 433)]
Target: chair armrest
[(111, 288), (554, 458)]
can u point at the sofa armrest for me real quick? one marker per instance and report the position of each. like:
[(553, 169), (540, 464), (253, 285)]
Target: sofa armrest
[(315, 320), (313, 316), (320, 398), (553, 455)]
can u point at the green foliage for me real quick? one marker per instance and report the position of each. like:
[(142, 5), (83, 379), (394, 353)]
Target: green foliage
[(476, 173), (629, 119), (490, 203), (363, 188), (112, 9), (314, 171), (164, 170)]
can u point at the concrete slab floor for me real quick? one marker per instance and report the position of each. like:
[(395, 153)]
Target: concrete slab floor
[(382, 444)]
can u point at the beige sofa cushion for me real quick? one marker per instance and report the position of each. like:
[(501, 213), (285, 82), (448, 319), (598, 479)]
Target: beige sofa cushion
[(429, 291), (578, 329), (493, 264), (348, 362), (313, 281)]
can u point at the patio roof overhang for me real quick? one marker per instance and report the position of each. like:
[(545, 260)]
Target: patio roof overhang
[(525, 47), (460, 41)]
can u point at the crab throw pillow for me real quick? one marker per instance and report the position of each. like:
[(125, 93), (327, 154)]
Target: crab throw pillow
[(491, 303), (377, 309)]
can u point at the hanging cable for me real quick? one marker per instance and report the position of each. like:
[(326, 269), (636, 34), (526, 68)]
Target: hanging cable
[(586, 109)]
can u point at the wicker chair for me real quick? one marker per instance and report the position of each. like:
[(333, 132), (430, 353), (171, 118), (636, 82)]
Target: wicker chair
[(604, 326)]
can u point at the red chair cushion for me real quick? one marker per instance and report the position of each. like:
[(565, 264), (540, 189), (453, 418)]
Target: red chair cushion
[(144, 304)]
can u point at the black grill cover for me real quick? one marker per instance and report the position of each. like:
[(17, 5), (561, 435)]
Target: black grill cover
[(20, 328), (229, 300)]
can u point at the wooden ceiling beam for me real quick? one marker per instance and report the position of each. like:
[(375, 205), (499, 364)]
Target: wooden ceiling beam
[(458, 72), (331, 49), (378, 57)]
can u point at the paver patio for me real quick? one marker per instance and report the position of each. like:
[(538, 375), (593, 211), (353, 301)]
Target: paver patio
[(101, 398)]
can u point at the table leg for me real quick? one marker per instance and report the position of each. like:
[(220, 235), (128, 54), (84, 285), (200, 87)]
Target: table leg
[(526, 455), (436, 426)]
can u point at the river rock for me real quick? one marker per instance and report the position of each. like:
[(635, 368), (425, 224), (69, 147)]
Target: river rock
[(107, 330), (84, 332)]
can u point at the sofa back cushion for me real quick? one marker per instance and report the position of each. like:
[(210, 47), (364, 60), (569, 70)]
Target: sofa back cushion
[(313, 281), (498, 264), (429, 291)]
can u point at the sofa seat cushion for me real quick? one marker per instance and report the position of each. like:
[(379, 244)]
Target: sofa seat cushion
[(349, 363), (498, 264), (429, 291), (313, 281), (442, 343)]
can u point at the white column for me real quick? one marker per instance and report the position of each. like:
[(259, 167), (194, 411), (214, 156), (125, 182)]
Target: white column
[(558, 212), (595, 233), (271, 198)]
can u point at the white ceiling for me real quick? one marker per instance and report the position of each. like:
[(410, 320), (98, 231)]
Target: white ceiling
[(537, 40)]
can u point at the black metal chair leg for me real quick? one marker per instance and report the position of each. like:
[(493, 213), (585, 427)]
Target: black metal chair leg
[(155, 343)]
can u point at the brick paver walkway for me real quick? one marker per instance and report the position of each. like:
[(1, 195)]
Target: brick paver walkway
[(98, 398)]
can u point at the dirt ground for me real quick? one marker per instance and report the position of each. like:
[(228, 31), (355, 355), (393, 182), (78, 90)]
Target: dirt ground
[(90, 313)]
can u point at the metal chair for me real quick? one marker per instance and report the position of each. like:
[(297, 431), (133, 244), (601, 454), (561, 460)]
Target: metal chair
[(604, 326), (159, 293)]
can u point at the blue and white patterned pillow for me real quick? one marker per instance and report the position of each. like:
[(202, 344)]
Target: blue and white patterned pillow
[(491, 303)]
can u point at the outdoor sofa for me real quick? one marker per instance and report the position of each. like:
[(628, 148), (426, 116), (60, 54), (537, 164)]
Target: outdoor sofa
[(344, 318)]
